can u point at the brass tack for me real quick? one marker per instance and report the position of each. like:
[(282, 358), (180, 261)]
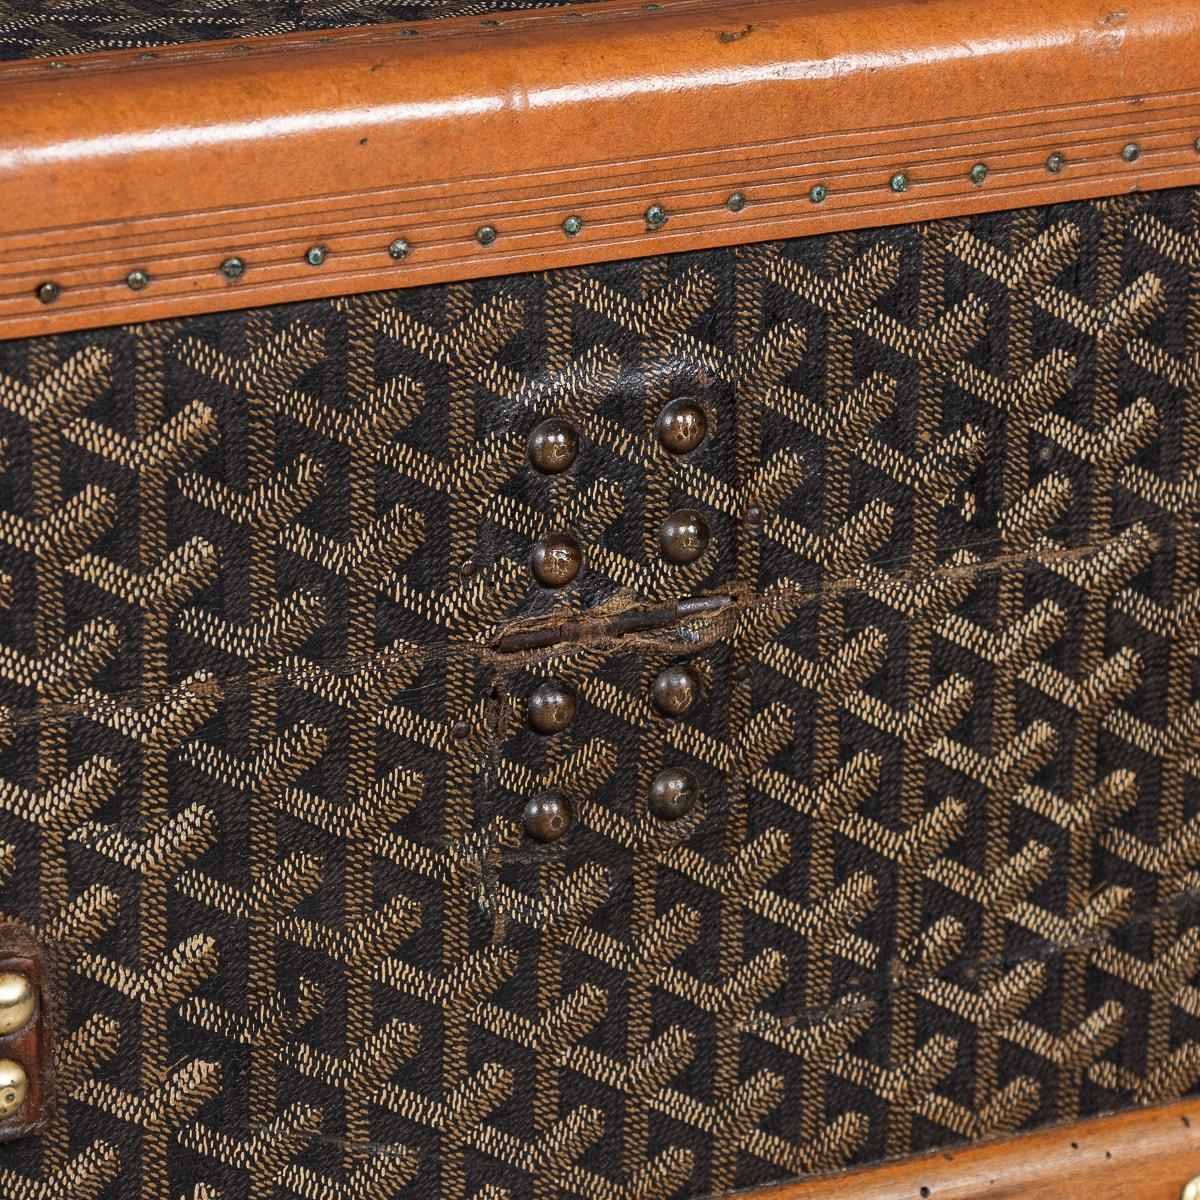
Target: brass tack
[(673, 794), (551, 707), (553, 446), (547, 816), (682, 426), (656, 216), (675, 690), (556, 560), (683, 537), (18, 1000), (14, 1088)]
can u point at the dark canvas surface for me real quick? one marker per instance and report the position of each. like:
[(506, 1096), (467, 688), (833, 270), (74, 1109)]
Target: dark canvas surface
[(262, 769), (38, 28)]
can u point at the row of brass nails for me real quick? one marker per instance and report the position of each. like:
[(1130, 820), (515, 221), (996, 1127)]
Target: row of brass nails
[(656, 218)]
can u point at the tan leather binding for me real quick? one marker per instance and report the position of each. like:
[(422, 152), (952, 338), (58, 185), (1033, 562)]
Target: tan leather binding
[(173, 163), (1145, 1154)]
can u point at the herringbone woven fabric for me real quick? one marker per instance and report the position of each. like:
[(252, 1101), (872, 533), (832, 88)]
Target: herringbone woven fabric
[(40, 28), (263, 767)]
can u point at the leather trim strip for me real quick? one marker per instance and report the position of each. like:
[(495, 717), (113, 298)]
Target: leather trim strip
[(128, 181), (1143, 1154)]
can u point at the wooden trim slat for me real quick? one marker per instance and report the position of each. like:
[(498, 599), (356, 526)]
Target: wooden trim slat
[(1142, 1154), (171, 164)]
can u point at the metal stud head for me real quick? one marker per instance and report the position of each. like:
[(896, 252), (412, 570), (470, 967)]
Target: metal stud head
[(979, 172), (547, 816), (551, 707), (14, 1088), (400, 249), (736, 202), (682, 426), (819, 193), (899, 182), (137, 281), (673, 794), (48, 293), (556, 560), (553, 446), (683, 537), (18, 1002), (316, 256), (675, 690), (233, 268), (1055, 163), (486, 235), (1132, 152), (656, 216), (572, 225)]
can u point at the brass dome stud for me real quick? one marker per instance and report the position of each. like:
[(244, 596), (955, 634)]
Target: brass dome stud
[(556, 560), (673, 794), (18, 1002), (682, 426), (553, 446), (547, 816), (551, 707), (14, 1088), (675, 690), (683, 537)]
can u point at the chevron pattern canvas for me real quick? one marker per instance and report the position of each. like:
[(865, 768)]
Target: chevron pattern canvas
[(263, 756)]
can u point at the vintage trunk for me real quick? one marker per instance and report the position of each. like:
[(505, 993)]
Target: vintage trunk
[(601, 601)]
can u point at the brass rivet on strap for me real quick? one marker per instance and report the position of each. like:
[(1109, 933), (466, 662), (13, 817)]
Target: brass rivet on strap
[(682, 426), (14, 1088), (18, 1002), (556, 559), (551, 707), (656, 216), (675, 690), (673, 794), (553, 446), (547, 816), (683, 537)]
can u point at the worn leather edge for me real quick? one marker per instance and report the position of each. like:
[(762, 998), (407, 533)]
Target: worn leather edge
[(1142, 1154), (173, 162)]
